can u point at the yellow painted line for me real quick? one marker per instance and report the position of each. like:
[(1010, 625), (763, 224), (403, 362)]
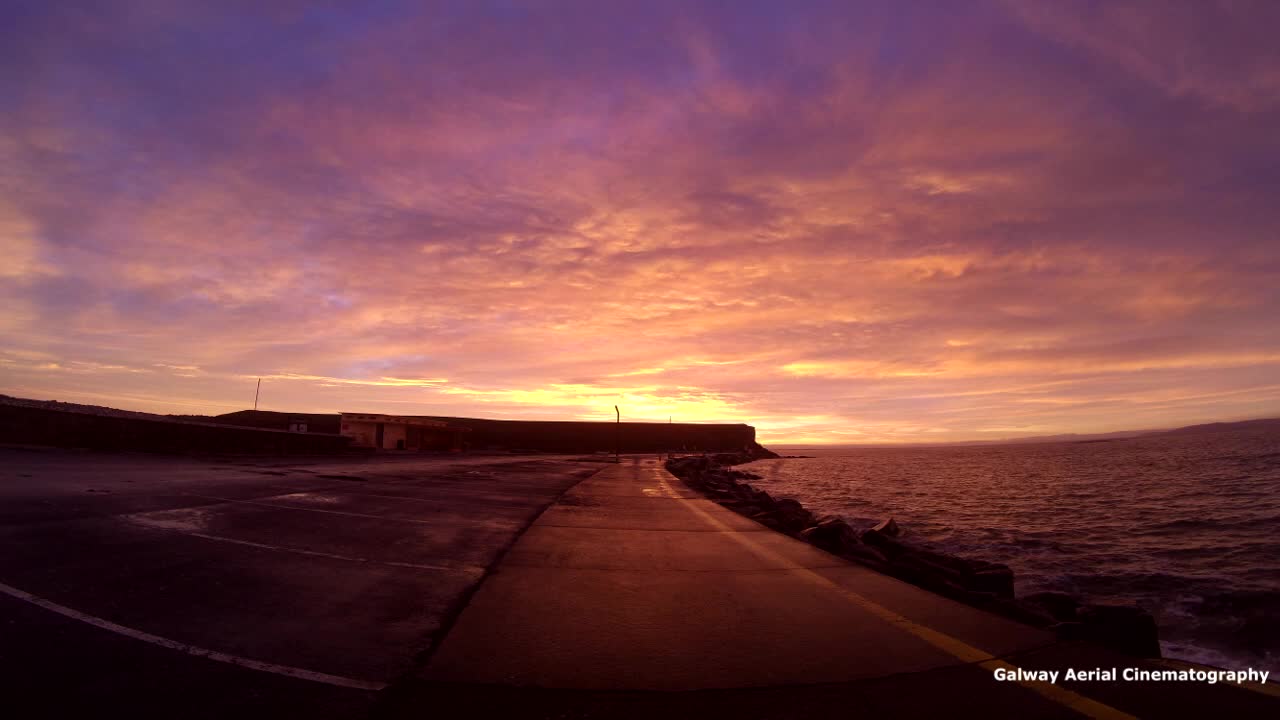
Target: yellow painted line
[(956, 648), (216, 656)]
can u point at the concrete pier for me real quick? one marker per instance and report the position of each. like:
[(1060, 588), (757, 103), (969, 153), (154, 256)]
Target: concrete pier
[(632, 596), (484, 587), (142, 586)]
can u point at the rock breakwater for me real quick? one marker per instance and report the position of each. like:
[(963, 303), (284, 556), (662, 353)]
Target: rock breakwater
[(975, 582)]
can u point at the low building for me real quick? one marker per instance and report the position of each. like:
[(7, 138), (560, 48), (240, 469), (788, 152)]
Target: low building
[(394, 432)]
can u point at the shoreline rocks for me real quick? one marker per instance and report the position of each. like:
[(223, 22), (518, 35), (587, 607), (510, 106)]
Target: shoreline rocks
[(979, 583)]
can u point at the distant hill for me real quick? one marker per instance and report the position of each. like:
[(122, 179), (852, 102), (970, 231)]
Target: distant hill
[(1067, 437), (101, 410), (1263, 424)]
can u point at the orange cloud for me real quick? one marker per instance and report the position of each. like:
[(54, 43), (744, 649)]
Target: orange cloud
[(1006, 220)]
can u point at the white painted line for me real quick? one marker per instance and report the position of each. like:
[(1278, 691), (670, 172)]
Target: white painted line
[(287, 671), (433, 501), (308, 509), (466, 569)]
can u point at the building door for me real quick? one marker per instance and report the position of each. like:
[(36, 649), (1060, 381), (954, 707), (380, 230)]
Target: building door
[(377, 442)]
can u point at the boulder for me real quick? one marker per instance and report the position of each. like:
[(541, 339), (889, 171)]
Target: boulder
[(831, 534), (1059, 606), (995, 579), (888, 528), (865, 554), (922, 566), (793, 516), (1126, 628), (744, 507), (871, 537), (767, 518), (1029, 614), (760, 497)]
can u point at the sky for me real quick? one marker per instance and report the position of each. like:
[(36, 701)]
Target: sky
[(840, 222)]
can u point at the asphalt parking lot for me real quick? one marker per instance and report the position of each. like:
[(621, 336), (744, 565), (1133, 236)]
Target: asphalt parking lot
[(207, 588)]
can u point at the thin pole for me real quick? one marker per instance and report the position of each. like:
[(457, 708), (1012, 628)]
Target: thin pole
[(255, 394), (617, 436)]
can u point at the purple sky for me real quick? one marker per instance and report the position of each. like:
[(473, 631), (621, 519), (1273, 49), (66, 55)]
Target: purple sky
[(840, 222)]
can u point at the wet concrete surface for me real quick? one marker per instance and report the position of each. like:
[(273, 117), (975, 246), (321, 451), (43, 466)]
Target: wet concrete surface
[(348, 569), (633, 597), (534, 587), (699, 598)]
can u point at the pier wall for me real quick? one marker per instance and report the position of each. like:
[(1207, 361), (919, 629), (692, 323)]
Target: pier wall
[(630, 437)]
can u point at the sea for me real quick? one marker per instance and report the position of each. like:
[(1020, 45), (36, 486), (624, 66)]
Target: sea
[(1185, 525)]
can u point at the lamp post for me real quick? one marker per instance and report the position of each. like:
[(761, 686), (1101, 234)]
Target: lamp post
[(617, 436)]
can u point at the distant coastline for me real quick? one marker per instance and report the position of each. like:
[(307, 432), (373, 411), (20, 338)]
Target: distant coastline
[(1259, 423)]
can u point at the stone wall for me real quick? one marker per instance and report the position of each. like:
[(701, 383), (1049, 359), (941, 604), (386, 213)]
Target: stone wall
[(575, 437), (547, 435)]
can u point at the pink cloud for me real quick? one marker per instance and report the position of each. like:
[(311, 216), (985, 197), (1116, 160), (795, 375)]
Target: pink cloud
[(899, 225)]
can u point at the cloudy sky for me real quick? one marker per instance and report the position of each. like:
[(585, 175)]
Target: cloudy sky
[(840, 222)]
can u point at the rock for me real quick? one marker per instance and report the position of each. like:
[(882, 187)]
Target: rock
[(831, 534), (793, 516), (888, 528), (917, 573), (865, 554), (1260, 634), (871, 536), (1059, 606), (948, 563), (997, 580), (1126, 628), (767, 518), (881, 537), (922, 565), (744, 507), (1029, 614), (761, 498)]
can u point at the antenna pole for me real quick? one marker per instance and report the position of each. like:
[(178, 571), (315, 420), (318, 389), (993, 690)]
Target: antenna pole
[(255, 394)]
